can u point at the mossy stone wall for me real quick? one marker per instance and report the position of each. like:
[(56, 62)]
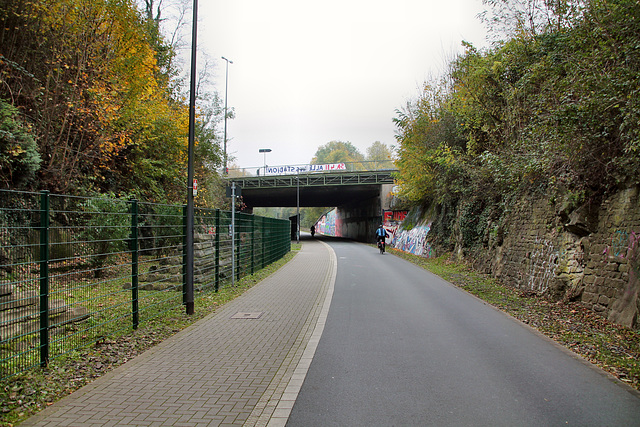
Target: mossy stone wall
[(589, 254)]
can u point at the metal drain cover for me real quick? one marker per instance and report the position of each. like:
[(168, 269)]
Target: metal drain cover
[(247, 315)]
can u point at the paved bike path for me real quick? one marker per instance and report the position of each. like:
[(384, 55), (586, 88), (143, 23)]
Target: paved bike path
[(402, 347), (242, 365)]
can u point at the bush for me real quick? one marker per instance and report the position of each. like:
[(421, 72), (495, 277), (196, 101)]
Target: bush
[(19, 157), (107, 229)]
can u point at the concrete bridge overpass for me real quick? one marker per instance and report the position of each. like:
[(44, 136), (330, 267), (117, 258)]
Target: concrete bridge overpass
[(316, 189), (360, 196)]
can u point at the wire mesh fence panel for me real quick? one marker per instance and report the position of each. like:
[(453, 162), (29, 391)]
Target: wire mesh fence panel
[(226, 246), (244, 244), (89, 266), (75, 270), (160, 270), (19, 281), (205, 236), (277, 239)]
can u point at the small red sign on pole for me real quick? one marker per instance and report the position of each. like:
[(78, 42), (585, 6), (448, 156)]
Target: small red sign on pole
[(195, 187)]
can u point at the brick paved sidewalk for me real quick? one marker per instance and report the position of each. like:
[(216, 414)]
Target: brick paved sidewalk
[(243, 365)]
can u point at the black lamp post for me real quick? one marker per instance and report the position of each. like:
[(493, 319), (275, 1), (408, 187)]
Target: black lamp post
[(226, 87), (192, 120)]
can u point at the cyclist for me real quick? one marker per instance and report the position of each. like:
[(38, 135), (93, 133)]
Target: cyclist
[(381, 235)]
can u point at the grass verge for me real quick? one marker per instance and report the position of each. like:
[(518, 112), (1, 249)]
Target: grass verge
[(614, 348), (25, 394)]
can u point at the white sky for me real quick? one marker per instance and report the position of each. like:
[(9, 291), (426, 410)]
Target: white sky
[(305, 73)]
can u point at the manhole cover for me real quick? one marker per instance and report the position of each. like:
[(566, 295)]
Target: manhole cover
[(249, 315)]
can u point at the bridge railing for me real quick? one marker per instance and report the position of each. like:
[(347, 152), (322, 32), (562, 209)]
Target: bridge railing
[(303, 168)]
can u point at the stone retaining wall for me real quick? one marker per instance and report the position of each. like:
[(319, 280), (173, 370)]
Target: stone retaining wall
[(167, 274), (589, 254)]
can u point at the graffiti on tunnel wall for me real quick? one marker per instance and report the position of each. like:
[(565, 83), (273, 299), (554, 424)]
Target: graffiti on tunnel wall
[(392, 222), (327, 224), (413, 241)]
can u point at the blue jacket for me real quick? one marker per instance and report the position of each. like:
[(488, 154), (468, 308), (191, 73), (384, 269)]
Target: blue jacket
[(381, 232)]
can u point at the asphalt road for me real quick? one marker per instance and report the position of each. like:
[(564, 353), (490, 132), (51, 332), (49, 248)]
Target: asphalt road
[(402, 347)]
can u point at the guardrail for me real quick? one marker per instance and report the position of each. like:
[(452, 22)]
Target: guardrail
[(315, 180), (74, 270)]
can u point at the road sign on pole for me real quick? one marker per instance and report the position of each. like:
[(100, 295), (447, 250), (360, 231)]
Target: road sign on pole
[(238, 190)]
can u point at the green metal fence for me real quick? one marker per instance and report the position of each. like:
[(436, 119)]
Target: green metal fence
[(74, 270)]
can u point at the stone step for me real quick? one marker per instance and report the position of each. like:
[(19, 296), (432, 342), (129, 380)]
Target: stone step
[(27, 313), (19, 299), (203, 237), (29, 323), (6, 289), (204, 245)]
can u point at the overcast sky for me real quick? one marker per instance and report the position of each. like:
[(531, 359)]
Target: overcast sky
[(305, 73)]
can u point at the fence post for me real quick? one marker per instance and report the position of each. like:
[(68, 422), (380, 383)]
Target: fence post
[(44, 278), (133, 242), (264, 243), (217, 286), (237, 235), (253, 240), (285, 245), (184, 254)]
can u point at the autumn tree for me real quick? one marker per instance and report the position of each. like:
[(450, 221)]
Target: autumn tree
[(96, 83), (509, 19), (339, 152), (379, 156), (66, 74), (430, 155), (549, 109)]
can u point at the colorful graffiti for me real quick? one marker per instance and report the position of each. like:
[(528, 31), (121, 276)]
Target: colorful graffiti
[(395, 216), (392, 222), (413, 241), (622, 244), (327, 224)]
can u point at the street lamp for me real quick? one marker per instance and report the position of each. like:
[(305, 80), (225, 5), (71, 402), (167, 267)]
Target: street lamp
[(298, 210), (188, 286), (265, 151), (226, 86)]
